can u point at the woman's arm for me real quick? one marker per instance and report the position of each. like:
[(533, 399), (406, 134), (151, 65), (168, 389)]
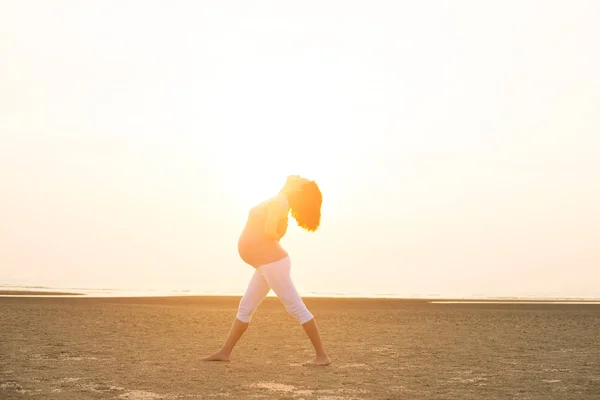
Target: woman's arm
[(277, 220)]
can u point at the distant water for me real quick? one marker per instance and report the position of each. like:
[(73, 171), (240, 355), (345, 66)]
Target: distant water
[(519, 301), (95, 292), (112, 292)]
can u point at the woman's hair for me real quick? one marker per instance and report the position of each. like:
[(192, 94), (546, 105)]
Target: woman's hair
[(305, 205)]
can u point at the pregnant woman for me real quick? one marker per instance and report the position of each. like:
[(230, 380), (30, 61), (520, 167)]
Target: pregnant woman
[(259, 247)]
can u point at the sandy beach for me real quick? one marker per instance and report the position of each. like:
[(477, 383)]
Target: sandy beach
[(148, 348), (36, 293)]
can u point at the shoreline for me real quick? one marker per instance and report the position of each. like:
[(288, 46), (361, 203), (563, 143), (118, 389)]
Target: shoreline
[(433, 300), (19, 293)]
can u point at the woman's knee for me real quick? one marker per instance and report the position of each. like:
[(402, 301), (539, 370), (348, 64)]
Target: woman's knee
[(299, 311), (245, 312)]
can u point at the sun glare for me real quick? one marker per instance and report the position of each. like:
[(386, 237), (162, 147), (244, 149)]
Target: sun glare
[(253, 185), (249, 175), (269, 140)]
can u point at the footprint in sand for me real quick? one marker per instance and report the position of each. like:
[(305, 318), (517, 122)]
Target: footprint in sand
[(353, 365), (141, 395), (14, 387), (273, 386), (384, 350), (69, 380), (305, 392), (477, 379)]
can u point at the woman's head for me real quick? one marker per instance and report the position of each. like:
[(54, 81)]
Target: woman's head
[(305, 201)]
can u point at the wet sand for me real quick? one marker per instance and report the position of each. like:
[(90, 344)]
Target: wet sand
[(35, 293), (148, 348)]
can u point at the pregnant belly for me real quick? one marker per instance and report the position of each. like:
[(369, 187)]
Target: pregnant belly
[(257, 250)]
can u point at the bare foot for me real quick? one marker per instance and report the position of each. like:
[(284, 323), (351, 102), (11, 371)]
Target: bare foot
[(319, 361), (218, 356)]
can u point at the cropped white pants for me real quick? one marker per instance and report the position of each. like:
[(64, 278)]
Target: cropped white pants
[(274, 276)]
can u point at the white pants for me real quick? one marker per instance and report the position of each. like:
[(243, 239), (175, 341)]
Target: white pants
[(274, 276)]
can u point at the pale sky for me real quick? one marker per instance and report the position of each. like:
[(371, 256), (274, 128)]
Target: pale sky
[(456, 143)]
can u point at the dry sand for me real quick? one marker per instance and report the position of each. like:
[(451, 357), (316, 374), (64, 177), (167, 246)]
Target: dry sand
[(148, 348)]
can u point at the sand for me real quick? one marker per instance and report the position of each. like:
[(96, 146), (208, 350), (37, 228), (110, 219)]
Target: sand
[(36, 293), (148, 348)]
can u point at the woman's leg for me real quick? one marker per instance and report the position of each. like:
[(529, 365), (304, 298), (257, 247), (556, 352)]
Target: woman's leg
[(255, 294), (278, 277), (312, 331)]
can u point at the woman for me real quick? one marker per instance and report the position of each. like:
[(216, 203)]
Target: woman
[(259, 247)]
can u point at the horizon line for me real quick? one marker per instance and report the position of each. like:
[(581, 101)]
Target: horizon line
[(115, 292)]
